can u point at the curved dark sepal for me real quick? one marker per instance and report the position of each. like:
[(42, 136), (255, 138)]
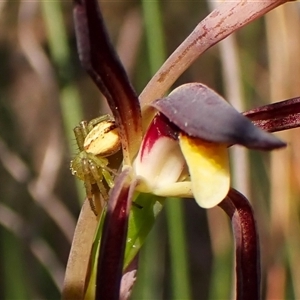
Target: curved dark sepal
[(112, 248), (99, 58), (276, 116), (248, 273), (200, 112)]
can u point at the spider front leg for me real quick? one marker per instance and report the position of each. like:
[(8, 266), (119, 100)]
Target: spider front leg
[(93, 175), (96, 121)]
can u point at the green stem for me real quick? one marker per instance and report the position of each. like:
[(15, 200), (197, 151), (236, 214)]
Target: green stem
[(179, 275), (12, 273), (154, 34), (178, 249)]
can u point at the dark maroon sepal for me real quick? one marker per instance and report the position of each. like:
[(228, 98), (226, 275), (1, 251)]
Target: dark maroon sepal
[(100, 60), (200, 112), (248, 273), (112, 249), (276, 116)]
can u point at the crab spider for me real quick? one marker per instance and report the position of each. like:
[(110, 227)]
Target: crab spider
[(97, 140)]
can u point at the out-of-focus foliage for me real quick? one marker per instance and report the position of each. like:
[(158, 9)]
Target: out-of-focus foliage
[(39, 202)]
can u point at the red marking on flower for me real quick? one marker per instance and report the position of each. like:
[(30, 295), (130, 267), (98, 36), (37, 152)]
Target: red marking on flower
[(160, 127)]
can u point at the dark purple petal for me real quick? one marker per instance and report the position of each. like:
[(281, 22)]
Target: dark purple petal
[(200, 112), (248, 274), (112, 249), (98, 57), (276, 116)]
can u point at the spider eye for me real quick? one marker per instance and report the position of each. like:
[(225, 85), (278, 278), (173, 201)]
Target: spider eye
[(103, 139)]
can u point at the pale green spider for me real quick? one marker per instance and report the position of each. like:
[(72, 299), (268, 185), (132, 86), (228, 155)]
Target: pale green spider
[(96, 140)]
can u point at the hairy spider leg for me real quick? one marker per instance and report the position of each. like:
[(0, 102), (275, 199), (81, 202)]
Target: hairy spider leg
[(98, 120), (106, 171), (80, 137), (97, 174), (108, 178), (81, 131), (88, 184), (91, 170)]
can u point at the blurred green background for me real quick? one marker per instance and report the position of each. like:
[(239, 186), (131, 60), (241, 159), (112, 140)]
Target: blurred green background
[(44, 93)]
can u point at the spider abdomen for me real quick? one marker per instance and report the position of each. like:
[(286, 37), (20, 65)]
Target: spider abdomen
[(103, 140)]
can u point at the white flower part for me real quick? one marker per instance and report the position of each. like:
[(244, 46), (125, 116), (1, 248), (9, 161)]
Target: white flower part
[(159, 165), (209, 170), (181, 189)]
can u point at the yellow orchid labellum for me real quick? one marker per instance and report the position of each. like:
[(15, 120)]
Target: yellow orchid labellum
[(208, 165)]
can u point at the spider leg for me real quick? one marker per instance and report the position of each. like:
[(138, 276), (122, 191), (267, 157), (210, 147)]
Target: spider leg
[(98, 199), (108, 178), (80, 132), (98, 178), (106, 171), (88, 185), (98, 120)]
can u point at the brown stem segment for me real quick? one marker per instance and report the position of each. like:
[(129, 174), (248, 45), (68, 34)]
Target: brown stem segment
[(248, 276), (78, 266), (227, 18), (112, 249), (100, 60)]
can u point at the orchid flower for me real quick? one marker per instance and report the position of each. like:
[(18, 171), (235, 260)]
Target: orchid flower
[(184, 152), (172, 146)]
